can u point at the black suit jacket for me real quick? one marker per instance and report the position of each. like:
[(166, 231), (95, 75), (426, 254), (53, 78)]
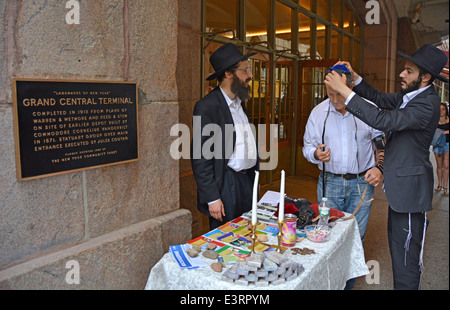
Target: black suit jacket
[(408, 173), (212, 110)]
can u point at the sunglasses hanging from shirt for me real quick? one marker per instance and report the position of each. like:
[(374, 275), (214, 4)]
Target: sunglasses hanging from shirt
[(379, 142), (339, 69), (323, 149)]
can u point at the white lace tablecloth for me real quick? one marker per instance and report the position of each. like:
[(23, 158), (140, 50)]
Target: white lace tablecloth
[(338, 259)]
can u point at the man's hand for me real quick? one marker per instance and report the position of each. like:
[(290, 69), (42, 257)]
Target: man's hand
[(323, 156), (355, 76), (374, 177), (338, 83), (217, 210)]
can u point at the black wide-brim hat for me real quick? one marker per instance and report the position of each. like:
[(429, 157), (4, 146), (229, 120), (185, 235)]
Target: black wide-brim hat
[(224, 58), (429, 58)]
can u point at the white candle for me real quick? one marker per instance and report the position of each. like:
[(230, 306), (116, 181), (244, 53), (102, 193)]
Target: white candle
[(281, 206), (255, 197)]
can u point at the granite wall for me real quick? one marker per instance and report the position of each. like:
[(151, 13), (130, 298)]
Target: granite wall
[(115, 222), (379, 43), (189, 72)]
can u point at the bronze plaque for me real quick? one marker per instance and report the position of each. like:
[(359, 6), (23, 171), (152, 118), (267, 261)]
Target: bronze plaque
[(66, 126)]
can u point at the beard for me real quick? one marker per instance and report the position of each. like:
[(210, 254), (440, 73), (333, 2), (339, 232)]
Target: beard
[(239, 88), (411, 87)]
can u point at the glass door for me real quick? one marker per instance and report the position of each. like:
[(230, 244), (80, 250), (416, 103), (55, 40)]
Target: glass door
[(258, 105), (283, 115), (272, 104)]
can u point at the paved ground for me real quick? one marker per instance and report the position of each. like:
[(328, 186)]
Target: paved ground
[(436, 253)]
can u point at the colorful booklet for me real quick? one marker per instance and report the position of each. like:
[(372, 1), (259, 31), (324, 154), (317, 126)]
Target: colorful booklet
[(183, 259)]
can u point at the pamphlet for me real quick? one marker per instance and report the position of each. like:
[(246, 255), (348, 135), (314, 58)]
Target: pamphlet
[(183, 259)]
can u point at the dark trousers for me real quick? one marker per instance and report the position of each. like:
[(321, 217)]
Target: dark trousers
[(406, 232), (236, 195)]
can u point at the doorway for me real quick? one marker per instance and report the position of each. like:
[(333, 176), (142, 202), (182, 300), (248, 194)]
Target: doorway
[(272, 103)]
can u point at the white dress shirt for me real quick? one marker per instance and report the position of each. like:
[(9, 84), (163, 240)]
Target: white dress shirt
[(245, 154), (406, 98), (410, 96), (349, 139)]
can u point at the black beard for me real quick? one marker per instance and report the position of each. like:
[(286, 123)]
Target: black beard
[(412, 87), (239, 89)]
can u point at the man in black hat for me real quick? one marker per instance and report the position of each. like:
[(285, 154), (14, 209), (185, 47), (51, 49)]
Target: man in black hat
[(409, 118), (224, 163)]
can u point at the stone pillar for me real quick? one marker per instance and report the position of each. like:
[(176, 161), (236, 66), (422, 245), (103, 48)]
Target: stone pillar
[(379, 46), (189, 92)]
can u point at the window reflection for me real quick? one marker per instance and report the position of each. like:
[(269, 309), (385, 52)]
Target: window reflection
[(221, 17), (272, 100), (304, 36), (257, 16), (283, 27), (335, 44), (348, 20), (314, 90), (306, 4), (210, 85), (356, 28), (321, 41), (283, 102), (356, 56), (347, 55), (336, 12), (322, 9), (257, 103)]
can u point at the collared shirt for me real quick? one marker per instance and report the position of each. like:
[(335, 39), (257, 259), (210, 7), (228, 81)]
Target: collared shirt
[(349, 139), (245, 154), (410, 96), (406, 98)]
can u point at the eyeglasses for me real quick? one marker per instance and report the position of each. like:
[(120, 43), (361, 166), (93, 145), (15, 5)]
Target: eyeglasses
[(246, 70)]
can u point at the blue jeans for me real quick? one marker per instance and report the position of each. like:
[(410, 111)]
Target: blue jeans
[(345, 195)]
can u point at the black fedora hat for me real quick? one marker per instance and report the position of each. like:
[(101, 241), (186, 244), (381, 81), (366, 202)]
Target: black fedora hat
[(429, 58), (224, 58)]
